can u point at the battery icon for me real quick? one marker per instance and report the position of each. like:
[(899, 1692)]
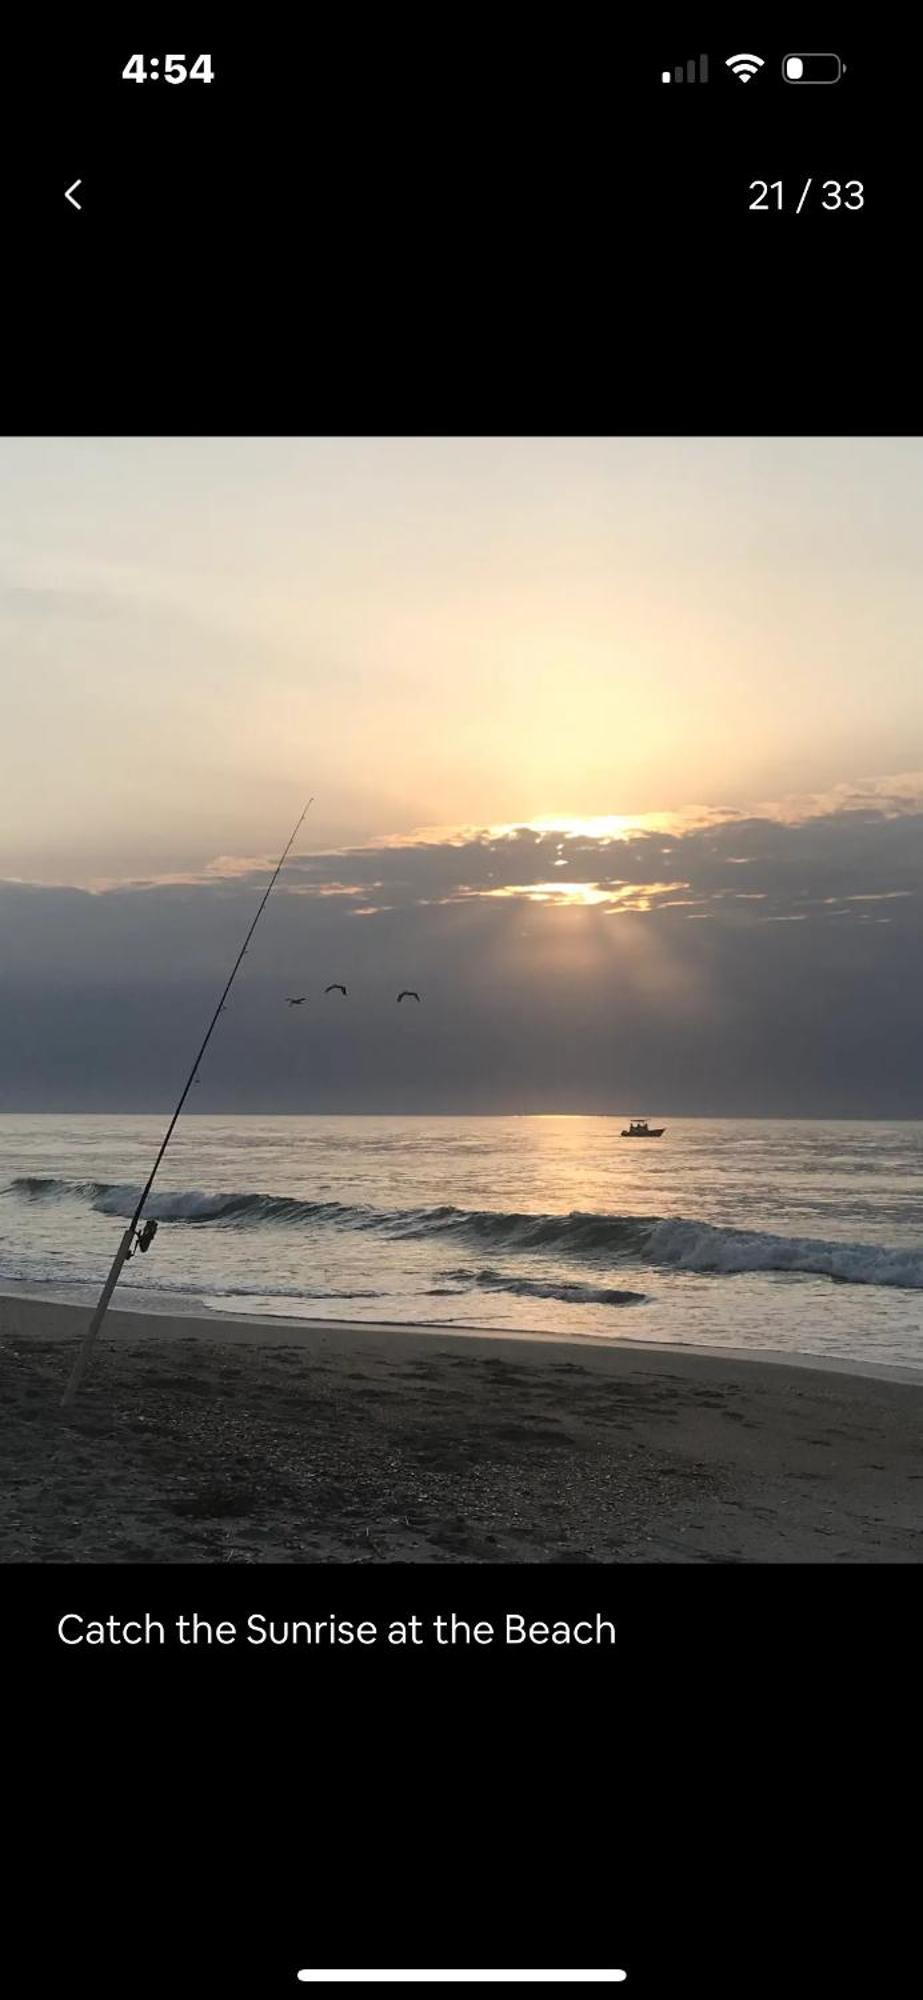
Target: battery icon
[(812, 69)]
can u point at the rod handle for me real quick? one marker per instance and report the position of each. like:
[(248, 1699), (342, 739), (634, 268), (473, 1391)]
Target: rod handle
[(86, 1345)]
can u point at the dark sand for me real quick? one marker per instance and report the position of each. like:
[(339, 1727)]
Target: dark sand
[(204, 1440)]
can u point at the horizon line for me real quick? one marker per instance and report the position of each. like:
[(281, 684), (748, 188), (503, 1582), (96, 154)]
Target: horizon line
[(677, 1117)]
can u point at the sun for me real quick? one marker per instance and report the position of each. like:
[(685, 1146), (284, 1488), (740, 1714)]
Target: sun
[(600, 826)]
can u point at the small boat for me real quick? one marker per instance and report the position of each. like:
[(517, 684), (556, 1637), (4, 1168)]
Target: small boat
[(638, 1128)]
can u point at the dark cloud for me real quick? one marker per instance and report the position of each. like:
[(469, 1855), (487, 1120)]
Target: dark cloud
[(775, 968), (822, 865)]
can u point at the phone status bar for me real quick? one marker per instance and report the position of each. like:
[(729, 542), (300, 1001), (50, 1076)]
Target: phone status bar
[(745, 67)]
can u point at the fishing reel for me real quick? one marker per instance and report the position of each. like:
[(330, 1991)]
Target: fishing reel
[(144, 1237)]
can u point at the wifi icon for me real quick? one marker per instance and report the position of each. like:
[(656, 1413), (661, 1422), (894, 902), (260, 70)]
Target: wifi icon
[(744, 66)]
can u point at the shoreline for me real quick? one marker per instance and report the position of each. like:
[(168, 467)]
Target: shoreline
[(65, 1319)]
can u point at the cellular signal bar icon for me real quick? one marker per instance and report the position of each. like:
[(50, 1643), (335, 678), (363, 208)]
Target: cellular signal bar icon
[(690, 72)]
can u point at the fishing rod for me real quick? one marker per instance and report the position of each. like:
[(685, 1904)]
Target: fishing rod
[(132, 1239)]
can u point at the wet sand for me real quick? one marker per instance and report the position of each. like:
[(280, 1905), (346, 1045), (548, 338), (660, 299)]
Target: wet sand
[(220, 1440)]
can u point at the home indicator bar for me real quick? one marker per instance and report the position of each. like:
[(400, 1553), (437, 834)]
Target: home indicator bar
[(459, 1978)]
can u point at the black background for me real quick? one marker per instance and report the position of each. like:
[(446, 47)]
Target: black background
[(721, 1804), (461, 224)]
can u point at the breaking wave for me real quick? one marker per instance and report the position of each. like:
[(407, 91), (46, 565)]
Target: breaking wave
[(570, 1290), (668, 1242), (700, 1247), (117, 1198)]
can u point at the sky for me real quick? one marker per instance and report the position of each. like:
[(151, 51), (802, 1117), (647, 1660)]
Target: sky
[(615, 748)]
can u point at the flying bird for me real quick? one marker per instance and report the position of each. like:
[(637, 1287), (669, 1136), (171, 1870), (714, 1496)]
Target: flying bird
[(408, 995), (297, 1003), (335, 989)]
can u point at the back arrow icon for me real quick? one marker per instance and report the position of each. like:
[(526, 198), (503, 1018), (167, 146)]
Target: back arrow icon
[(69, 194)]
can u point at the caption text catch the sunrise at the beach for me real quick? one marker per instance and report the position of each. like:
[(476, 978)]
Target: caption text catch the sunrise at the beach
[(437, 1630)]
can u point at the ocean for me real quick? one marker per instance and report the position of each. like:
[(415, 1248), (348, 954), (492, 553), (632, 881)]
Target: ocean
[(801, 1238)]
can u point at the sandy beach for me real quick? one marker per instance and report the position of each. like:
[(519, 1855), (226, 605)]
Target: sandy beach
[(207, 1440)]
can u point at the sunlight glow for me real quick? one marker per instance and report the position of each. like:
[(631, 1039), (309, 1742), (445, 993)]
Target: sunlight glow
[(571, 826), (617, 896), (599, 826)]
